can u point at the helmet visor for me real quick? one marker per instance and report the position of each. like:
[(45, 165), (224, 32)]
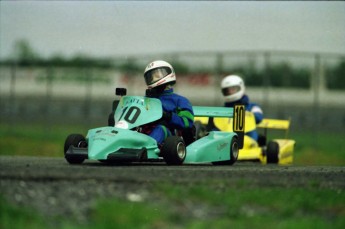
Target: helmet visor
[(156, 74), (231, 90)]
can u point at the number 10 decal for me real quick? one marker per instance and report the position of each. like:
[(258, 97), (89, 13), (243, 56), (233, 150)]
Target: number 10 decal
[(130, 117), (239, 122), (239, 113)]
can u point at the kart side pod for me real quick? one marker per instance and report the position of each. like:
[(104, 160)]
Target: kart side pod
[(237, 113), (218, 147)]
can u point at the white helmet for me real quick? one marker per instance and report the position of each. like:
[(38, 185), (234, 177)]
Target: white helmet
[(158, 73), (232, 88)]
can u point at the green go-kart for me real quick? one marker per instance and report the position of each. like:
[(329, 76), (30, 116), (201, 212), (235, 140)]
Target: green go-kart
[(124, 142)]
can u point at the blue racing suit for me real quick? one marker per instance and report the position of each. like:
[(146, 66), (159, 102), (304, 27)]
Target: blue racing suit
[(180, 113), (252, 107)]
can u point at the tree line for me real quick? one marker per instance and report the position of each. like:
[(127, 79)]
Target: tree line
[(277, 75)]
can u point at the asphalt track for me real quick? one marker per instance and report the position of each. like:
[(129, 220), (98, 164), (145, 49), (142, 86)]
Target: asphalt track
[(56, 188)]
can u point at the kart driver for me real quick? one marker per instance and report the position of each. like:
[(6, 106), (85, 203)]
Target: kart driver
[(233, 90), (178, 114)]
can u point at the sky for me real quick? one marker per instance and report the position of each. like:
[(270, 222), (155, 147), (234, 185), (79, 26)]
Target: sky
[(120, 28)]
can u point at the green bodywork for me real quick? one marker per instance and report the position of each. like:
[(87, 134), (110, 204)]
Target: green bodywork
[(105, 140), (131, 112), (213, 147), (124, 141), (213, 111), (216, 145)]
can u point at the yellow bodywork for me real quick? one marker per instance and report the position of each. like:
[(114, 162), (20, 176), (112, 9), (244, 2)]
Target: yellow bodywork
[(251, 150)]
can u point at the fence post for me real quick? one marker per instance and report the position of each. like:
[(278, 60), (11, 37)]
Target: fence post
[(49, 89), (219, 71), (48, 100), (316, 97), (12, 99), (266, 79), (88, 92)]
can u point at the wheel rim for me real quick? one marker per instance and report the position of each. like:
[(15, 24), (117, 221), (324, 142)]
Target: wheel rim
[(234, 149), (82, 144), (181, 150)]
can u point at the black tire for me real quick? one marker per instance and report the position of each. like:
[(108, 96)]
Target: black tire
[(233, 153), (76, 140), (272, 152), (174, 150)]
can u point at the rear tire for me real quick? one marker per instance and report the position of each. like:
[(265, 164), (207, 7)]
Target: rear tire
[(233, 153), (76, 140), (174, 150), (272, 152)]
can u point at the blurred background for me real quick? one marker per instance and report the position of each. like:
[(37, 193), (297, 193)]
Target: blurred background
[(61, 61)]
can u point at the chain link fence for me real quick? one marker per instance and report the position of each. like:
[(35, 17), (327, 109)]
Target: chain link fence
[(309, 88)]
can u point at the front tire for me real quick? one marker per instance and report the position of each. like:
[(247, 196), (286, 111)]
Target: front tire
[(174, 150), (76, 140), (233, 153), (272, 152)]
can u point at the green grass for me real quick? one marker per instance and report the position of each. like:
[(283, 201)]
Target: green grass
[(320, 148), (18, 217), (41, 140), (185, 207), (244, 208), (36, 139)]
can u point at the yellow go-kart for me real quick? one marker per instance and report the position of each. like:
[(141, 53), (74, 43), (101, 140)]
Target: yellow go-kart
[(275, 151)]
